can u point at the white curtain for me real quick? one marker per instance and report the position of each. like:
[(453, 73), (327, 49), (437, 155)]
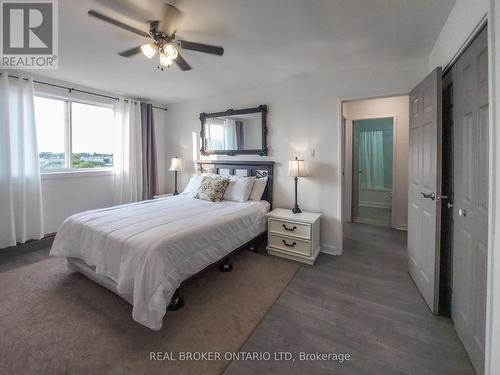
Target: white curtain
[(21, 216), (230, 136), (128, 153), (371, 159)]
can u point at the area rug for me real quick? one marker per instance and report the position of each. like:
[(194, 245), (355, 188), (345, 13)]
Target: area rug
[(54, 322)]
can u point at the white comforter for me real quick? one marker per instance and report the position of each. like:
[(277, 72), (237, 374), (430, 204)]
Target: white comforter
[(148, 248)]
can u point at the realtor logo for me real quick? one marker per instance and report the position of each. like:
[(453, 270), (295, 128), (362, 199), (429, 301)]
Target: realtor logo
[(28, 34)]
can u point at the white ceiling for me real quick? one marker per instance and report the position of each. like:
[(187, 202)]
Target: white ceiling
[(264, 41)]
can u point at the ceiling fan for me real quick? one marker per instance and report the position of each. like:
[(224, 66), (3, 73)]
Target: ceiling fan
[(162, 32)]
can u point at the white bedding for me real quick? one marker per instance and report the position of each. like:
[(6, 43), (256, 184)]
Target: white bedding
[(148, 248)]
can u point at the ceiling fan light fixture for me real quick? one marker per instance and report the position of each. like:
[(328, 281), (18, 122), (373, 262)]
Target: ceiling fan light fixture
[(170, 51), (165, 61), (149, 50)]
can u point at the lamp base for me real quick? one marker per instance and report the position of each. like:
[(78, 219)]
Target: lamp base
[(296, 209)]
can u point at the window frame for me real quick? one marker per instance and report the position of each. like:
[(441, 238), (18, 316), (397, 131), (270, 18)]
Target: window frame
[(68, 144)]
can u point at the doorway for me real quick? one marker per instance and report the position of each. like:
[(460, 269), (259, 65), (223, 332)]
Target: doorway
[(375, 161), (372, 171)]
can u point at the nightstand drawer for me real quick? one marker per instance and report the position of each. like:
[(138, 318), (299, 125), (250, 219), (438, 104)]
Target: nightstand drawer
[(291, 245), (290, 229)]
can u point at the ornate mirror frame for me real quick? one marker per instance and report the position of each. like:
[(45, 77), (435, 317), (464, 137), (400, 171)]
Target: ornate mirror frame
[(262, 109)]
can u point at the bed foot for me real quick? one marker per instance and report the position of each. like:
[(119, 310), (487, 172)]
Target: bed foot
[(225, 267), (176, 303)]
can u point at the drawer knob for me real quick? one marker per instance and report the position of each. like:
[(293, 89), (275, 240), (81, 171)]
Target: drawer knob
[(290, 229), (289, 244)]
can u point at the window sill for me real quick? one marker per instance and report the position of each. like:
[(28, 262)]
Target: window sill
[(76, 173)]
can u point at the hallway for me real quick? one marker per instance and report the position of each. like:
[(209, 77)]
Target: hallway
[(372, 311)]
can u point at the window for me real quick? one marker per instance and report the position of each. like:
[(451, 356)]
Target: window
[(50, 126), (73, 135)]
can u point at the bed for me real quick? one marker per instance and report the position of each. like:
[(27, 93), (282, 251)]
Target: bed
[(144, 251)]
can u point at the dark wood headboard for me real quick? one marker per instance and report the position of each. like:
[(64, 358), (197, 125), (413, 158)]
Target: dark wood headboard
[(258, 169)]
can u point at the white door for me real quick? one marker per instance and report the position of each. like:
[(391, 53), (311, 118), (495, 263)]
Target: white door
[(424, 210), (470, 237)]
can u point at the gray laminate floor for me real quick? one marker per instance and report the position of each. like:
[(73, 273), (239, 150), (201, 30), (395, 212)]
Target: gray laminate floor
[(22, 255), (362, 303)]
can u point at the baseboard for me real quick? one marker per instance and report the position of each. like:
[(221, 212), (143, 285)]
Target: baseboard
[(330, 249), (402, 227)]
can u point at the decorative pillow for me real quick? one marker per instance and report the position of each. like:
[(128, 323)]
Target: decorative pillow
[(239, 188), (258, 189), (193, 185), (213, 175), (212, 189)]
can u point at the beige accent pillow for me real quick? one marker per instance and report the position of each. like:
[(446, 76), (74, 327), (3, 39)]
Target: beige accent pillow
[(258, 189), (212, 189)]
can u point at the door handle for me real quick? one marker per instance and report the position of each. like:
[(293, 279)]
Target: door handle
[(429, 195), (462, 212), (360, 171)]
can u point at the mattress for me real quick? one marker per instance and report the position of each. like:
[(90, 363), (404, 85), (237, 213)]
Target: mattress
[(148, 248)]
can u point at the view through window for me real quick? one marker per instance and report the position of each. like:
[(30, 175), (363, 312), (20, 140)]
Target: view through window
[(73, 135), (50, 126), (91, 136)]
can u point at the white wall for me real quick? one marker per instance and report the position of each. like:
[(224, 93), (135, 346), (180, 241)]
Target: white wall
[(66, 194), (303, 116), (463, 18), (398, 108)]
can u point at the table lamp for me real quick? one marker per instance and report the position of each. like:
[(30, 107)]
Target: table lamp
[(176, 166), (296, 169)]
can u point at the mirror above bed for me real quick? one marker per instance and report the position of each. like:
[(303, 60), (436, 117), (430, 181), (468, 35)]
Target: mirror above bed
[(234, 132)]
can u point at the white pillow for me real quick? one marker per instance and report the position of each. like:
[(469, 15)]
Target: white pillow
[(239, 188), (193, 185), (258, 189)]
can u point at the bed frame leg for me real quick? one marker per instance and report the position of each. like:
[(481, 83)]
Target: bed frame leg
[(177, 302), (255, 244), (226, 266)]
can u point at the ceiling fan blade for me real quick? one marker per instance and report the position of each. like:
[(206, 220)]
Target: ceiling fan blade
[(181, 63), (200, 47), (170, 19), (112, 21), (130, 52)]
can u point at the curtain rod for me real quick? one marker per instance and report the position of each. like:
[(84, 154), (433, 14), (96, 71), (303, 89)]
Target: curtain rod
[(70, 89)]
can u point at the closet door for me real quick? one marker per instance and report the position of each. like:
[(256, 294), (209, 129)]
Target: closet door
[(424, 209), (470, 236)]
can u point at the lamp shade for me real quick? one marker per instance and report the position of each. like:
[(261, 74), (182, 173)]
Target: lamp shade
[(297, 168), (176, 165)]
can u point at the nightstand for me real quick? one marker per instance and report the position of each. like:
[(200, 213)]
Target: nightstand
[(293, 236), (163, 195)]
